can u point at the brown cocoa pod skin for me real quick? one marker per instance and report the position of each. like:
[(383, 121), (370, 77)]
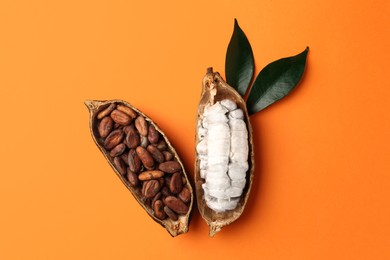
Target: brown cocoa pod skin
[(169, 167), (113, 139), (118, 150), (145, 157), (134, 161), (120, 117), (127, 110), (176, 184), (176, 205), (106, 111), (141, 125), (156, 153), (150, 188), (161, 145), (185, 195), (172, 215), (120, 165), (105, 126), (132, 138), (153, 135), (167, 155), (132, 178), (158, 208), (150, 175)]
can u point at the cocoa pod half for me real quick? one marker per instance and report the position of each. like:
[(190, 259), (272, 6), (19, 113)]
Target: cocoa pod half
[(129, 166)]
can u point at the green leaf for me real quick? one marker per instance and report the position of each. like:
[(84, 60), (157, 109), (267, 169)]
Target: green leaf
[(275, 81), (239, 63)]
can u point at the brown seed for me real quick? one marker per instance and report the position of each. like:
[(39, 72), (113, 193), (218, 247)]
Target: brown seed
[(176, 205), (158, 208), (132, 138), (150, 175), (113, 139), (118, 150), (169, 167), (161, 180), (125, 158), (120, 165), (185, 195), (127, 110), (120, 117), (141, 125), (167, 180), (127, 128), (146, 157), (106, 111), (165, 191), (183, 179), (132, 177), (157, 197), (150, 188), (167, 155), (172, 215), (176, 184), (105, 126), (144, 141), (134, 161), (161, 145), (153, 135), (156, 154)]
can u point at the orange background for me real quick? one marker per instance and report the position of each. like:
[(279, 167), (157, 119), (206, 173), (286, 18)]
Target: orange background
[(322, 179)]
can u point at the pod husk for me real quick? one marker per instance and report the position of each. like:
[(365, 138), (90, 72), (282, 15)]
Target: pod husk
[(174, 228), (214, 89)]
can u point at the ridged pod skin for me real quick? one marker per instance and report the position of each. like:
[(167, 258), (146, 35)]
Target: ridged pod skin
[(216, 89), (173, 227)]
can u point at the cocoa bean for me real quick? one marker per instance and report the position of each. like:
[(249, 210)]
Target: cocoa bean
[(150, 188), (144, 141), (120, 117), (127, 110), (145, 157), (158, 208), (185, 195), (132, 138), (167, 180), (127, 128), (113, 139), (132, 178), (120, 165), (157, 197), (105, 126), (153, 135), (176, 184), (118, 150), (176, 205), (165, 191), (141, 125), (167, 155), (156, 154), (134, 161), (125, 158), (161, 145), (172, 215), (150, 175), (106, 111), (169, 167)]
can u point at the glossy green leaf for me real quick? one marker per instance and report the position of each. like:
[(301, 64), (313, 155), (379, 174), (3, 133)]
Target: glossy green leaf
[(239, 64), (275, 81)]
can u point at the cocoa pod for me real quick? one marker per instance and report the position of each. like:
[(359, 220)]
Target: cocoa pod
[(156, 154), (111, 148), (113, 139), (215, 89), (105, 126), (145, 157), (150, 175), (169, 167), (176, 205)]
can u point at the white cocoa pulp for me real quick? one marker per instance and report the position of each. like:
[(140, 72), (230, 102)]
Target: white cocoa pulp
[(223, 153)]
